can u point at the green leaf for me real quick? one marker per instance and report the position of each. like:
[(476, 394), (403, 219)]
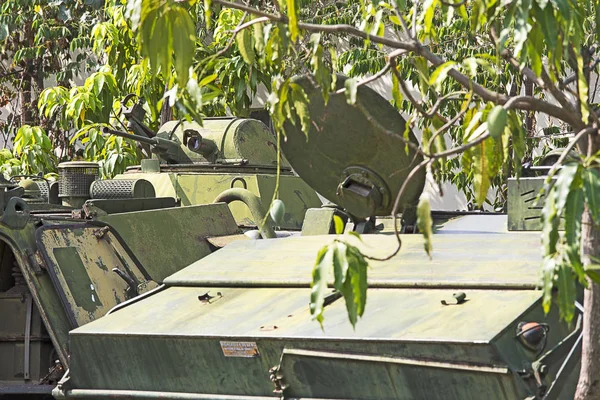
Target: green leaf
[(396, 93), (573, 212), (563, 8), (320, 276), (351, 86), (596, 18), (356, 235), (548, 272), (339, 224), (207, 13), (562, 187), (429, 9), (3, 32), (440, 74), (292, 19), (424, 222), (521, 25), (549, 225), (481, 169), (582, 88), (340, 265), (357, 276), (184, 42), (548, 24), (300, 101), (244, 43), (259, 37), (591, 189), (566, 292), (593, 271)]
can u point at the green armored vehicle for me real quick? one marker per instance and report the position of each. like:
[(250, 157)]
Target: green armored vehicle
[(193, 164), (236, 323), (72, 249)]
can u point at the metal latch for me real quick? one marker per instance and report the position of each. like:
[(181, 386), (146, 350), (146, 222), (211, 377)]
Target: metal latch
[(457, 298)]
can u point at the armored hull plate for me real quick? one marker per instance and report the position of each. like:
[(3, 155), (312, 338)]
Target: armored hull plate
[(227, 344), (509, 261)]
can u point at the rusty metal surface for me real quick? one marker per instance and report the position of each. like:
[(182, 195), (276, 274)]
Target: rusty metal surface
[(42, 290), (471, 260), (80, 261)]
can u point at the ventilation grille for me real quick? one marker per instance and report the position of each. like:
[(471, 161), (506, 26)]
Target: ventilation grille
[(524, 212), (44, 189), (122, 189), (75, 178)]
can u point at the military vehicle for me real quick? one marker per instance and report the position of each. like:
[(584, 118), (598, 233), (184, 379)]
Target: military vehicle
[(236, 324), (193, 164), (74, 248)]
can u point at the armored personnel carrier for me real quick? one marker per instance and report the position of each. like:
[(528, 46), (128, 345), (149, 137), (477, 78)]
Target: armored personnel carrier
[(236, 324), (193, 164), (71, 250)]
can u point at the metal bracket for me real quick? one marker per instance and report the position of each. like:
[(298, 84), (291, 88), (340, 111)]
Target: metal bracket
[(16, 213), (569, 348), (38, 265)]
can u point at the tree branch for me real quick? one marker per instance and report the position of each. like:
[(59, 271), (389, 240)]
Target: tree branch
[(531, 104), (339, 28), (370, 79)]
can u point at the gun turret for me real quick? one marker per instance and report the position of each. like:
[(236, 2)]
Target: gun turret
[(172, 151)]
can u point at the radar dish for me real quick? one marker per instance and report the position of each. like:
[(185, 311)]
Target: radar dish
[(351, 157)]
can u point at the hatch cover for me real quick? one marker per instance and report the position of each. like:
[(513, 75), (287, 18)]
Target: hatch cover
[(91, 269)]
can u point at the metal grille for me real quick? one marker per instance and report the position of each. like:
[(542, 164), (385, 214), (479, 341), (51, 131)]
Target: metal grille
[(524, 213), (75, 178), (121, 189), (44, 189)]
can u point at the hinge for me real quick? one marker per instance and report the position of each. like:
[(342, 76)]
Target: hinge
[(277, 380)]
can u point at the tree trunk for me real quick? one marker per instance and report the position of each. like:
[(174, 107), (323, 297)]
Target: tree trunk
[(588, 387), (166, 112), (25, 110)]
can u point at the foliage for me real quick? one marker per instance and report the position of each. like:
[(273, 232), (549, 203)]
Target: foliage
[(577, 185), (32, 154), (349, 267), (87, 109), (40, 40)]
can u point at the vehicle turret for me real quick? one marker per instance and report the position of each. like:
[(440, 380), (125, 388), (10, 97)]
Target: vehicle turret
[(192, 163)]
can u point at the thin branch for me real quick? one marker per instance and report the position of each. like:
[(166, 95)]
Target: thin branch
[(447, 125), (370, 79), (338, 28), (568, 149), (438, 104), (531, 104), (388, 132), (455, 5), (405, 89), (405, 185), (11, 73), (556, 93), (249, 23), (402, 21), (414, 21), (231, 39)]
